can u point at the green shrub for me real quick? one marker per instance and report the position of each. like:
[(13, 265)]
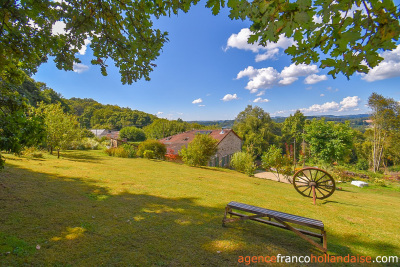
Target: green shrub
[(130, 150), (380, 182), (157, 147), (148, 154), (243, 162), (117, 152), (199, 151), (85, 144), (2, 162), (362, 164), (279, 164), (32, 152), (132, 134)]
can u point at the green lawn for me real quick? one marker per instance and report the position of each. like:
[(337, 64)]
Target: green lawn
[(90, 209)]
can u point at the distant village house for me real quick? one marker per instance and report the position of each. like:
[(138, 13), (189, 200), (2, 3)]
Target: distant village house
[(228, 143), (107, 133)]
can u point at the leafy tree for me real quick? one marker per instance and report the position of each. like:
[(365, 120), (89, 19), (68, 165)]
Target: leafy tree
[(256, 128), (19, 127), (155, 146), (243, 162), (329, 141), (292, 130), (132, 134), (386, 124), (199, 150), (279, 164), (347, 33), (61, 128)]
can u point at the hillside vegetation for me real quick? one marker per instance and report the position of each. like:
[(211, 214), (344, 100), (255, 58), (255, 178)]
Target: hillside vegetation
[(90, 209)]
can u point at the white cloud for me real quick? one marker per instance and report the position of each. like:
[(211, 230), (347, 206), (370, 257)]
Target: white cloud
[(197, 101), (229, 97), (160, 113), (259, 78), (349, 102), (79, 68), (314, 78), (261, 93), (270, 54), (239, 41), (202, 105), (326, 107), (321, 95), (299, 70), (58, 28), (82, 51), (260, 100), (388, 68), (266, 78), (288, 80)]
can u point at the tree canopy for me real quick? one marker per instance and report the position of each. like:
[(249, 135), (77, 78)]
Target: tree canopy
[(256, 128), (346, 36)]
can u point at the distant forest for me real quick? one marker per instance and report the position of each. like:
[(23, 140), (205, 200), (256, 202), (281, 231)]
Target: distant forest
[(356, 121)]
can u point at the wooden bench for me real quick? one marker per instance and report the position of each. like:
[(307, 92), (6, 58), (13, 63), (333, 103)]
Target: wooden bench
[(282, 221)]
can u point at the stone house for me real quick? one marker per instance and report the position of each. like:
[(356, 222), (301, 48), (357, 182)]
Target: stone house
[(103, 132), (228, 143)]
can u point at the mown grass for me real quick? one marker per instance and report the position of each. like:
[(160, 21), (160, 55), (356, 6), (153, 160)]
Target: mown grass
[(89, 209)]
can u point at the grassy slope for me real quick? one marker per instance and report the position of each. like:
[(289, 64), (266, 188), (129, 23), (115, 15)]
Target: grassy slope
[(90, 209)]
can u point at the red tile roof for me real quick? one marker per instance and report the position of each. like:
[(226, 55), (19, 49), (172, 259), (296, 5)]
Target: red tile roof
[(176, 142)]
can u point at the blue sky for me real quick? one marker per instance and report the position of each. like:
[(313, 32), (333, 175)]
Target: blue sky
[(208, 72)]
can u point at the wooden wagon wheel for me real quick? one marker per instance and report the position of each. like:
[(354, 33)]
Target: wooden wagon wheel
[(314, 182)]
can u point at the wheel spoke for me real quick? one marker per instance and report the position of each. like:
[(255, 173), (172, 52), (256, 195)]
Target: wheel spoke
[(301, 186), (305, 176), (320, 177), (320, 191), (325, 190), (310, 192), (305, 190), (302, 182)]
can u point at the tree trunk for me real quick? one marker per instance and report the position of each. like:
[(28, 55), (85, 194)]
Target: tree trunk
[(51, 150), (58, 153)]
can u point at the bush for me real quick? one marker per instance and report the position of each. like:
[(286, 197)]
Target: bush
[(84, 144), (362, 164), (124, 151), (279, 164), (199, 151), (243, 162), (130, 150), (2, 162), (117, 152), (132, 134), (157, 147), (148, 154), (32, 152)]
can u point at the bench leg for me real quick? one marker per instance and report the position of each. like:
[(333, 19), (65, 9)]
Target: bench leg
[(324, 241), (227, 210), (309, 240)]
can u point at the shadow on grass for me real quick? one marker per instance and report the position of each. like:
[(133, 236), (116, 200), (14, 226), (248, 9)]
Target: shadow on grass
[(72, 222), (80, 156), (336, 202)]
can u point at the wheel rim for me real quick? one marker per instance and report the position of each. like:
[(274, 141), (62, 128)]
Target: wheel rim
[(306, 178)]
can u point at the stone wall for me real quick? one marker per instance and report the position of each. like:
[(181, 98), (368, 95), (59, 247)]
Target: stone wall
[(229, 145)]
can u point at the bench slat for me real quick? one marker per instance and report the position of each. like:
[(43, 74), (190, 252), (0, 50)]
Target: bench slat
[(281, 215)]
